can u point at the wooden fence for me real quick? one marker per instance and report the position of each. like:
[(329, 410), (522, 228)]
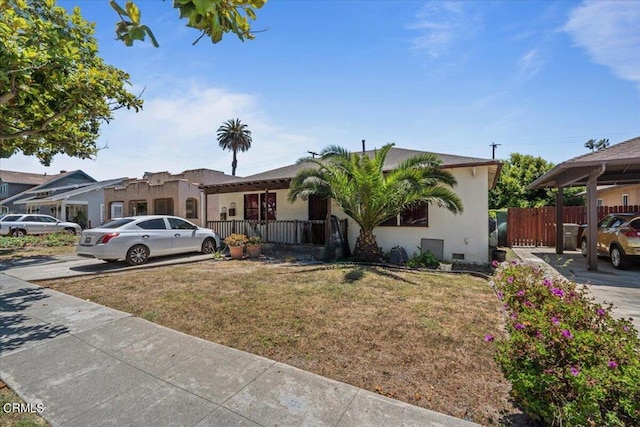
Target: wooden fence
[(537, 226)]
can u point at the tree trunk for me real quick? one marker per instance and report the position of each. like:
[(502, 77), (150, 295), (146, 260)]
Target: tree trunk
[(367, 248), (234, 163)]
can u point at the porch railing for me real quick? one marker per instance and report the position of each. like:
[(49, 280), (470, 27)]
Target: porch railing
[(287, 232)]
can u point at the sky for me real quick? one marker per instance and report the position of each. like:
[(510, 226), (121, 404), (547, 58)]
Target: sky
[(535, 77)]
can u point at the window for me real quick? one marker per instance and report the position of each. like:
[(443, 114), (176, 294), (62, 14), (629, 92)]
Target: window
[(48, 219), (265, 209), (179, 224), (117, 223), (11, 218), (599, 202), (415, 216), (251, 207), (117, 210), (192, 208), (31, 219), (138, 207), (152, 224), (625, 200), (163, 206), (4, 189)]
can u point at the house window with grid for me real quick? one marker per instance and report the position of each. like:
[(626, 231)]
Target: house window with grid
[(260, 206), (192, 208), (117, 210), (163, 206), (415, 216)]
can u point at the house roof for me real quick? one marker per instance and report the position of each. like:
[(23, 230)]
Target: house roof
[(15, 177), (73, 192), (619, 164), (46, 186), (281, 177)]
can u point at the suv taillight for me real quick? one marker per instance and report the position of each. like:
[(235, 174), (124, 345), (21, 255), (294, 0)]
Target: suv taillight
[(632, 233), (107, 237)]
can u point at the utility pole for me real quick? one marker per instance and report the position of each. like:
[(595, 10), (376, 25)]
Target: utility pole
[(313, 154), (493, 146)]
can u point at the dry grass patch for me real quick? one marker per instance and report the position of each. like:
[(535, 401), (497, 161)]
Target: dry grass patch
[(16, 419), (414, 336)]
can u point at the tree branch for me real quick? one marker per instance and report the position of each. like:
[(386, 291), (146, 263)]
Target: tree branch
[(41, 129)]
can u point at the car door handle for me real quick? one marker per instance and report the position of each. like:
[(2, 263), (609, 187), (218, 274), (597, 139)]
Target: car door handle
[(145, 236), (176, 235)]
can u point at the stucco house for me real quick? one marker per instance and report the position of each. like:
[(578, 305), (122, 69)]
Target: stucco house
[(618, 195), (164, 193), (259, 204), (38, 198)]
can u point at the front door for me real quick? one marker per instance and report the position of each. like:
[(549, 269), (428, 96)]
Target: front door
[(317, 211)]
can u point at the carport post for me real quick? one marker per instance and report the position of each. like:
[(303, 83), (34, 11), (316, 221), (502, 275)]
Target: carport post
[(559, 221), (592, 219)]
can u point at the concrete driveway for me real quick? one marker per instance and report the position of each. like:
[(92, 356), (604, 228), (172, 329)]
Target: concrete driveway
[(57, 267), (607, 285)]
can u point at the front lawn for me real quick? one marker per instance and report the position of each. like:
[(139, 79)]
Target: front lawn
[(31, 246), (415, 336)]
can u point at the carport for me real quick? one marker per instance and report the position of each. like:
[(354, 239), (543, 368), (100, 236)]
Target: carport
[(616, 165)]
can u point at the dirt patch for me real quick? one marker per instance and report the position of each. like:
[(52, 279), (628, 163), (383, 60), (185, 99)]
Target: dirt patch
[(414, 336)]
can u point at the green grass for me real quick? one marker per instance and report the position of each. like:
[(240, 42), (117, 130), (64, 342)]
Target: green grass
[(47, 240)]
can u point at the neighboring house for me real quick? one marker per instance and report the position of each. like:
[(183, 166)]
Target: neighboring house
[(164, 193), (263, 197), (12, 183), (37, 198), (618, 195)]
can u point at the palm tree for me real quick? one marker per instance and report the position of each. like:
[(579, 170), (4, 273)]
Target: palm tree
[(234, 136), (370, 195)]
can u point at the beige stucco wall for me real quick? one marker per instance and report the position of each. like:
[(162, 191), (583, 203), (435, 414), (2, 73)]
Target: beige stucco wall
[(178, 190), (613, 196), (466, 233)]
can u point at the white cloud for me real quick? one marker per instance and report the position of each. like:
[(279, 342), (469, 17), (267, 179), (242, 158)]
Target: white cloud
[(177, 131), (441, 25), (529, 64), (610, 33)]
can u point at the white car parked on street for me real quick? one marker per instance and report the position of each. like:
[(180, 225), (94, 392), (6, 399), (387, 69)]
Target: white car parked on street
[(135, 239), (19, 225)]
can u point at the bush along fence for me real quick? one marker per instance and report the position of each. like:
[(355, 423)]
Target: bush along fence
[(570, 363)]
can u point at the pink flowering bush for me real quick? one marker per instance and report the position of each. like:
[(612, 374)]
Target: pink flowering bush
[(569, 361)]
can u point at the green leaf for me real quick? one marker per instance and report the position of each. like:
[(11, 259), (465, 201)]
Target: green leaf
[(133, 12), (117, 8)]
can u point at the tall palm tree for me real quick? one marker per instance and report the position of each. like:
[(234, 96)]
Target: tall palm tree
[(234, 136), (370, 195)]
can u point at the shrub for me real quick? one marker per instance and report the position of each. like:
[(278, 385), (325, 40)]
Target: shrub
[(568, 360), (236, 239), (423, 259)]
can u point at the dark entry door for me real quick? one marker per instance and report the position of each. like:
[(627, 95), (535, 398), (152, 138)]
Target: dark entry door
[(317, 211)]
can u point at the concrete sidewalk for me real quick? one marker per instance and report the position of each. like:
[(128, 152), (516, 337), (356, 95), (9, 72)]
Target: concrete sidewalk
[(92, 365)]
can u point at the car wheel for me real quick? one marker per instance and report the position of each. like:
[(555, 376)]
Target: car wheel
[(70, 231), (583, 247), (208, 246), (137, 255), (18, 232), (618, 258)]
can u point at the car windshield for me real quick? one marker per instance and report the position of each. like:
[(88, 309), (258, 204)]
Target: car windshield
[(117, 223)]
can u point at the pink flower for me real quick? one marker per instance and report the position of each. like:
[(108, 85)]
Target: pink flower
[(488, 338), (547, 282), (495, 263), (514, 316), (567, 333), (600, 312), (612, 364), (529, 304), (575, 371), (520, 293), (557, 292), (519, 326), (510, 279), (555, 320), (500, 295)]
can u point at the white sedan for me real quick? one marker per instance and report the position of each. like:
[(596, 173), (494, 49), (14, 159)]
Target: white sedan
[(135, 239)]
